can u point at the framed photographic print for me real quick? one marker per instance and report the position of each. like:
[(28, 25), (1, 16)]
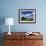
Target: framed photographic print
[(27, 15)]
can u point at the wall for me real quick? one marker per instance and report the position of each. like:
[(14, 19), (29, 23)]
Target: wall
[(9, 8)]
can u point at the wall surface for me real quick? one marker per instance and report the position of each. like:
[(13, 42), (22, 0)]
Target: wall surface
[(9, 8)]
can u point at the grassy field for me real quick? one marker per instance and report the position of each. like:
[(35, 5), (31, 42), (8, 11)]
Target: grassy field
[(26, 19)]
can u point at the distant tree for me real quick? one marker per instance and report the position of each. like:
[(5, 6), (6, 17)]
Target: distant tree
[(23, 18)]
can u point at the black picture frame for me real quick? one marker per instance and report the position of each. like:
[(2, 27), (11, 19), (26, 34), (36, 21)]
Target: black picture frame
[(27, 16)]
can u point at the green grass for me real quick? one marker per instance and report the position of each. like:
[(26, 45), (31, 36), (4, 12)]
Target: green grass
[(27, 19)]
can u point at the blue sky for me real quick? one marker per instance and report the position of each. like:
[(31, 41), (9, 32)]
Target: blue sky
[(29, 15), (26, 12)]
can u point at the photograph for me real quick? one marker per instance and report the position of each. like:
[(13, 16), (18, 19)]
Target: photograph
[(27, 15)]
